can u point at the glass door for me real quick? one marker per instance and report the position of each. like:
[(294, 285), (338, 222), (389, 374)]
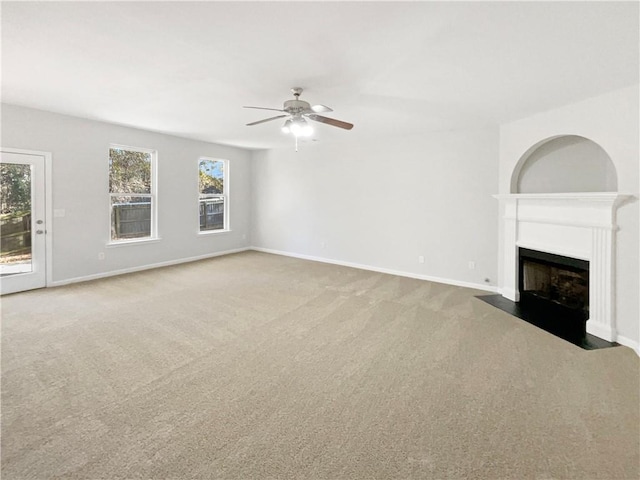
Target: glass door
[(22, 227)]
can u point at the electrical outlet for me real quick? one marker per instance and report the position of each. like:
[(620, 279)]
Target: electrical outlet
[(421, 259), (472, 265), (101, 256)]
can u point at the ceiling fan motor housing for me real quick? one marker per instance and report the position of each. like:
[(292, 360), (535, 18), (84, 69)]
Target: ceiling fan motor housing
[(294, 107)]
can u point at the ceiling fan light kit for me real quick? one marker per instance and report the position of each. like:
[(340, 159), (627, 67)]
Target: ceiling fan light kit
[(298, 126), (297, 112)]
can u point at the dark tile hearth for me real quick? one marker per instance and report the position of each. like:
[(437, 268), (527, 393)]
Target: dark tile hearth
[(539, 319)]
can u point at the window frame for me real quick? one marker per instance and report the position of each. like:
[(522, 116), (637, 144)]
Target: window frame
[(224, 195), (153, 195)]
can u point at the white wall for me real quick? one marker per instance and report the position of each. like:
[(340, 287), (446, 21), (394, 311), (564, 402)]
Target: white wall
[(612, 121), (80, 151), (385, 203), (567, 164)]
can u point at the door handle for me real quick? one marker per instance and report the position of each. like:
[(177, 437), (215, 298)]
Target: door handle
[(39, 232)]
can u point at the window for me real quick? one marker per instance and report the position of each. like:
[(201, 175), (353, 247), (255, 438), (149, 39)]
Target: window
[(212, 186), (132, 193)]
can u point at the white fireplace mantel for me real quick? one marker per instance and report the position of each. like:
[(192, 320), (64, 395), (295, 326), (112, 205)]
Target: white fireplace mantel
[(578, 225)]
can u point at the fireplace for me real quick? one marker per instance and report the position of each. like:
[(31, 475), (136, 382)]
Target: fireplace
[(554, 289), (580, 228)]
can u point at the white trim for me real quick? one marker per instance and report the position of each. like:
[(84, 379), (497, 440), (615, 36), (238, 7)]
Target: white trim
[(510, 294), (578, 196), (48, 215), (569, 223), (204, 233), (145, 267), (447, 281), (133, 241), (558, 251), (627, 342), (601, 331), (120, 146)]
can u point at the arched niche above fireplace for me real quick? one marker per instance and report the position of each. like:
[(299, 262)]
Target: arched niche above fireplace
[(565, 164)]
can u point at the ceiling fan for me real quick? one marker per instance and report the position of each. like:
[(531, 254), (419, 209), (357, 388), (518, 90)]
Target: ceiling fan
[(297, 112)]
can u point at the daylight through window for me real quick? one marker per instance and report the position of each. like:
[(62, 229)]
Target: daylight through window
[(132, 193), (213, 194)]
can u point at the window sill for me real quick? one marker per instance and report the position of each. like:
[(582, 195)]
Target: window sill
[(141, 241), (205, 233)]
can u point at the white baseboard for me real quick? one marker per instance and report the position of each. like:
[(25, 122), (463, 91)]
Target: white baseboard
[(447, 281), (510, 294), (627, 342), (113, 273), (601, 331)]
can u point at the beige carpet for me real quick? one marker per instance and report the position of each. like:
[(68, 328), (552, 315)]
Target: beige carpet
[(254, 366)]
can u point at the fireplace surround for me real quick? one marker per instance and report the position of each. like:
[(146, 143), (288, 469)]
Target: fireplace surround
[(580, 226)]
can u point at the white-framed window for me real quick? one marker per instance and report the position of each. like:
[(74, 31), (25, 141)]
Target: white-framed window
[(132, 193), (213, 186)]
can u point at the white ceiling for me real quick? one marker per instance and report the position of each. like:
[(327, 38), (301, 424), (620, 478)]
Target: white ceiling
[(391, 68)]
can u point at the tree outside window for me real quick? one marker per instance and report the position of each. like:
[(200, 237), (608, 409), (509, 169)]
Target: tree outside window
[(212, 194), (131, 193)]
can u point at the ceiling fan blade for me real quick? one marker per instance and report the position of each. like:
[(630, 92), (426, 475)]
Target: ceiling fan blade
[(321, 109), (330, 121), (265, 108), (266, 120)]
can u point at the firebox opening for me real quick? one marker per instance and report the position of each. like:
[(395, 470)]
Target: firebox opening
[(556, 290)]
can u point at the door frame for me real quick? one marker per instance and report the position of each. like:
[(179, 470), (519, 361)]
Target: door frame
[(48, 206)]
